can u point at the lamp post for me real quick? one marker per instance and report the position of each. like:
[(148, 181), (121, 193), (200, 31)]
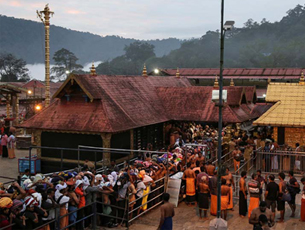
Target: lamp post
[(224, 27)]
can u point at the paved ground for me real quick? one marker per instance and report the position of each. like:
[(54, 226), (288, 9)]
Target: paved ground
[(187, 218), (9, 167)]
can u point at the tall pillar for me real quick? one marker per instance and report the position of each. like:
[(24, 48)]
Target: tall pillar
[(14, 109), (8, 105), (46, 21), (37, 141), (17, 108), (131, 142), (106, 137)]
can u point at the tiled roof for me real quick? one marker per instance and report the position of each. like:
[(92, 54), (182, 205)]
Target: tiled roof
[(235, 94), (120, 103), (238, 73), (289, 109), (195, 104)]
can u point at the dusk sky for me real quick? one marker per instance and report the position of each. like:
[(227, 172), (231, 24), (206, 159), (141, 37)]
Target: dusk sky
[(145, 19)]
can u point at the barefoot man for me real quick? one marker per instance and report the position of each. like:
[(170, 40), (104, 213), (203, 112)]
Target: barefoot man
[(230, 182), (210, 169), (189, 176), (167, 214), (236, 158), (203, 197), (225, 198), (243, 195)]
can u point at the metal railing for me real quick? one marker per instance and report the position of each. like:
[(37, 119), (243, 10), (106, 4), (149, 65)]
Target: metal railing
[(158, 192), (248, 166), (281, 161), (128, 217)]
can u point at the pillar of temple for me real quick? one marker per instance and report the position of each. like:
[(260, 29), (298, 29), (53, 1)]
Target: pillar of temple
[(8, 106), (106, 137), (131, 142), (14, 109), (37, 141)]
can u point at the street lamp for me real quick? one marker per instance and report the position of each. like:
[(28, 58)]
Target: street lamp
[(224, 27), (156, 71), (29, 92), (37, 108)]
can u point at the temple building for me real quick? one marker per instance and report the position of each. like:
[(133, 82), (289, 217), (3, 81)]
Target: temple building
[(286, 116), (241, 76), (27, 95), (128, 112)]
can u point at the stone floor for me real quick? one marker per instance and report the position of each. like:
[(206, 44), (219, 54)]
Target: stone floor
[(187, 218), (9, 167)]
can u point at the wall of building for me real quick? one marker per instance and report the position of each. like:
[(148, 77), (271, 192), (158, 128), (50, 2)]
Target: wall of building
[(292, 135), (120, 141), (152, 134), (67, 140)]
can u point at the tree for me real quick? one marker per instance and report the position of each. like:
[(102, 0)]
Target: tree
[(13, 69), (136, 54), (139, 51), (65, 62)]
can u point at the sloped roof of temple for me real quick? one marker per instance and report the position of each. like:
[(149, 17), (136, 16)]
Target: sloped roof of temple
[(96, 104), (38, 87), (195, 104), (289, 109), (235, 73), (115, 103)]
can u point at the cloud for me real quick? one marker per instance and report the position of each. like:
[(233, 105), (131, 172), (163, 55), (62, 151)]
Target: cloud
[(15, 3), (77, 12), (145, 19)]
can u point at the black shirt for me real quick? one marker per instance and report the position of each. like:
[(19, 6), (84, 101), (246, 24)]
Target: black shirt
[(292, 181), (273, 190)]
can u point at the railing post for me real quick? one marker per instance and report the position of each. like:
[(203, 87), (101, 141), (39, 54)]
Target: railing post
[(57, 224), (61, 158), (30, 159), (95, 160), (127, 217), (94, 216), (78, 155)]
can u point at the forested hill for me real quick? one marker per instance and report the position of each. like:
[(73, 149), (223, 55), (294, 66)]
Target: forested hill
[(25, 39), (257, 45)]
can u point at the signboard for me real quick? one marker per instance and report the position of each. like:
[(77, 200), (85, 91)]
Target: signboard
[(173, 189)]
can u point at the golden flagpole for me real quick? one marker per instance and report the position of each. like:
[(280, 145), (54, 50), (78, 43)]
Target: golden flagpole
[(46, 21)]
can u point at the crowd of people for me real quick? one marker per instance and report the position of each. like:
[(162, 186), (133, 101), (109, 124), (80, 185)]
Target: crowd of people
[(35, 201), (7, 142), (275, 196), (122, 193)]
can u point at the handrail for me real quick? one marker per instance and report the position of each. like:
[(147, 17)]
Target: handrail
[(222, 157), (281, 153), (121, 150), (245, 163)]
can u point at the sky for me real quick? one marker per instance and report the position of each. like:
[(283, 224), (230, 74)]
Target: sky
[(145, 19), (37, 71), (148, 19)]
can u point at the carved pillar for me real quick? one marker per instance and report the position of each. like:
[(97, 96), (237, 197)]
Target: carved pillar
[(37, 141), (8, 106), (164, 133), (131, 143), (17, 108), (106, 144), (14, 109)]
